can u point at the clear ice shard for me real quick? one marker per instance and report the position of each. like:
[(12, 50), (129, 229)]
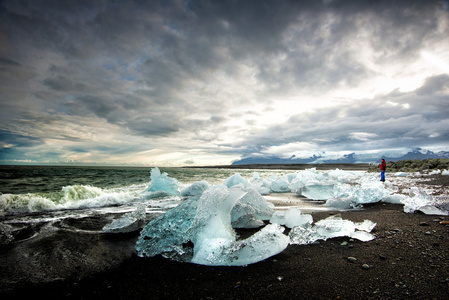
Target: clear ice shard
[(169, 234), (199, 230), (236, 179), (251, 210), (161, 185), (280, 186), (317, 191), (291, 218), (420, 201), (331, 227), (267, 242), (129, 222)]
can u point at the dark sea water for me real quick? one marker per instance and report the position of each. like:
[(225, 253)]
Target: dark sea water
[(35, 189), (41, 179)]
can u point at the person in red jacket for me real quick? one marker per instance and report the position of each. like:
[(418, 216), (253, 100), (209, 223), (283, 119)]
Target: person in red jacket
[(383, 167)]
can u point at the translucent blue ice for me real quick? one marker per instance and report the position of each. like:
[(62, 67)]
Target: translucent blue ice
[(128, 222), (204, 224), (251, 210), (427, 204), (331, 227), (235, 180), (169, 235), (161, 183), (280, 185), (291, 218)]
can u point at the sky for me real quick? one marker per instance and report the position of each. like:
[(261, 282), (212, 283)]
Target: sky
[(180, 83)]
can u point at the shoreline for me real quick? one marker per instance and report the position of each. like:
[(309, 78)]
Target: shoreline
[(409, 257)]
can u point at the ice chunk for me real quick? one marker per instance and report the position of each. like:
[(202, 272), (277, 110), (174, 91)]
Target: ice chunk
[(362, 236), (294, 217), (342, 176), (435, 172), (342, 203), (199, 230), (235, 180), (169, 234), (128, 222), (162, 182), (296, 184), (369, 192), (195, 189), (445, 172), (432, 210), (420, 201), (214, 239), (267, 242), (334, 227), (400, 174), (278, 218), (261, 185), (280, 186), (394, 199), (291, 218), (250, 210), (353, 195), (317, 191), (331, 227), (366, 225)]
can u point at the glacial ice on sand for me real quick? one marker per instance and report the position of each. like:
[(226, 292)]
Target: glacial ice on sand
[(214, 239), (421, 201), (331, 227), (280, 185), (251, 210), (205, 223), (317, 191), (291, 218), (200, 229), (169, 234), (129, 222)]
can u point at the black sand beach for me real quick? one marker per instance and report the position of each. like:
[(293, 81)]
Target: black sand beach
[(409, 259)]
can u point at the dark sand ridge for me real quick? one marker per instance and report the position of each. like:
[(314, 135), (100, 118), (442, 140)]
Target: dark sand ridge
[(408, 259)]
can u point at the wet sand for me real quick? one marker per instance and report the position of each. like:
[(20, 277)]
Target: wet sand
[(409, 259)]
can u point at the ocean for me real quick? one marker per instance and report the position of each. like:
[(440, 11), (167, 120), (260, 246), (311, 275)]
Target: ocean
[(35, 190)]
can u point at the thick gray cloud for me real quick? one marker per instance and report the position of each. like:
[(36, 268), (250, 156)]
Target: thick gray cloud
[(211, 81)]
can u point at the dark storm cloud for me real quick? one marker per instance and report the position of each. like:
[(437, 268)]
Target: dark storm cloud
[(160, 68)]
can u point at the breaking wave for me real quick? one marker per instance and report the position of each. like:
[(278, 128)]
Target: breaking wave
[(70, 197)]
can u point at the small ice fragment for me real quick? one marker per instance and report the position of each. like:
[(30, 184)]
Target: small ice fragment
[(400, 174), (293, 217), (317, 191), (162, 182), (366, 225), (236, 179), (362, 236), (280, 186), (128, 222)]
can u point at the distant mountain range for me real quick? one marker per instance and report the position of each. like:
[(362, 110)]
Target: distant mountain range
[(351, 158)]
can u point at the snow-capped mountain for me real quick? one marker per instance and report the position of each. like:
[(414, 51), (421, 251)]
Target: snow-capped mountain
[(416, 153)]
